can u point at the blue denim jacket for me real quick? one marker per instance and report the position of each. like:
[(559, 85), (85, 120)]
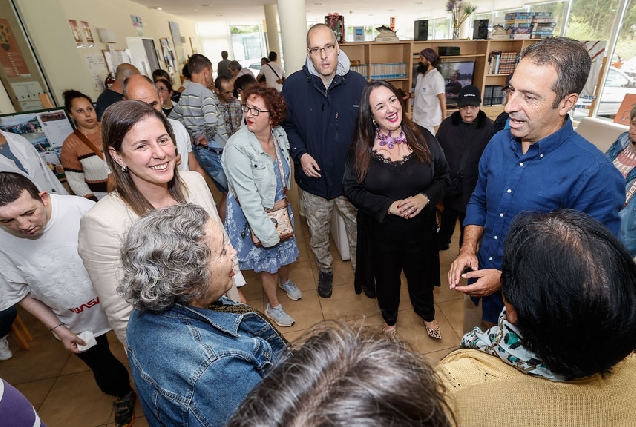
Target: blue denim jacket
[(561, 171), (194, 366), (628, 213), (251, 178)]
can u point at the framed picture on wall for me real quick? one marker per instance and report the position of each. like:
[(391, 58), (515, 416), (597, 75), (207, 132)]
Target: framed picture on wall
[(168, 54)]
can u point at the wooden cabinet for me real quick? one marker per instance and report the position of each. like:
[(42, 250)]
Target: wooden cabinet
[(377, 59)]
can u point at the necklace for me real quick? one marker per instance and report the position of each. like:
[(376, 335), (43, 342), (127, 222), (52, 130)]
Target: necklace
[(389, 140)]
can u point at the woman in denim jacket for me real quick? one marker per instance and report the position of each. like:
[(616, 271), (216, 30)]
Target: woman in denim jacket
[(257, 165), (623, 154), (194, 354)]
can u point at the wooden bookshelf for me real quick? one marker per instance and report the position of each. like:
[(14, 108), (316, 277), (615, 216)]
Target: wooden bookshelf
[(407, 52)]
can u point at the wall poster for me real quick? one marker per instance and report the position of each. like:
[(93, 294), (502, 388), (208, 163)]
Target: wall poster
[(46, 130), (77, 35), (11, 56)]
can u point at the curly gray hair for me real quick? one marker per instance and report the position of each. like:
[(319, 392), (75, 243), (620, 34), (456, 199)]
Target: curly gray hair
[(165, 258)]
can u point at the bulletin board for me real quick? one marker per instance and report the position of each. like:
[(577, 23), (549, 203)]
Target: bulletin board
[(46, 130)]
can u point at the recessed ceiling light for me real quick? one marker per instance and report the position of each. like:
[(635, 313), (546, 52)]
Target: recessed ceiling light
[(158, 8)]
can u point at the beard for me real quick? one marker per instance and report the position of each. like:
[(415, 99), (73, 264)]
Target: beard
[(422, 69)]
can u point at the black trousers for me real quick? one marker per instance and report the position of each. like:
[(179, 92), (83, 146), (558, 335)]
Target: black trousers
[(409, 246), (447, 227), (110, 374)]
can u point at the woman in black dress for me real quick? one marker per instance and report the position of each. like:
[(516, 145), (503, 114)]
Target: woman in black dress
[(396, 173)]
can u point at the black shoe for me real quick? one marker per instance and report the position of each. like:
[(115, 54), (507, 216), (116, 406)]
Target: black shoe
[(325, 284)]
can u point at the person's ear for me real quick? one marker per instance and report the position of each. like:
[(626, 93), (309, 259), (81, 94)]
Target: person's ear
[(45, 197), (567, 103), (116, 157)]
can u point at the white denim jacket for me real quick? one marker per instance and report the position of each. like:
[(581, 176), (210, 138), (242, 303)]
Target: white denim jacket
[(252, 180)]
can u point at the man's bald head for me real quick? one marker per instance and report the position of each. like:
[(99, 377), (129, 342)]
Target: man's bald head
[(140, 88), (125, 70)]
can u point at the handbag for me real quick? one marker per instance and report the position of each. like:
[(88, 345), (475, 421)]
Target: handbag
[(278, 214)]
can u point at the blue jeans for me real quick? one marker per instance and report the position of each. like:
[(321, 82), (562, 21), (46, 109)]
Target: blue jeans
[(6, 320), (211, 164)]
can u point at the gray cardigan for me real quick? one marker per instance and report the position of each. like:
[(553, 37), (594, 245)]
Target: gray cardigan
[(252, 180)]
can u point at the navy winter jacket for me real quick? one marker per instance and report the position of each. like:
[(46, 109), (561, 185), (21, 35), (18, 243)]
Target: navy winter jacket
[(322, 123)]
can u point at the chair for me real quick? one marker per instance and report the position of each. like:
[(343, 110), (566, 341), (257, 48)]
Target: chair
[(20, 333)]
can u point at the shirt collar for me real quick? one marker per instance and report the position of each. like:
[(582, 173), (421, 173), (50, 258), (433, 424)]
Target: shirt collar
[(547, 144), (224, 319)]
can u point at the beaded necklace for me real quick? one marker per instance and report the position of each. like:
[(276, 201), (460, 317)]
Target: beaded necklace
[(389, 140)]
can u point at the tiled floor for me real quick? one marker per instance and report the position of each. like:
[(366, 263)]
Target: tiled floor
[(63, 391)]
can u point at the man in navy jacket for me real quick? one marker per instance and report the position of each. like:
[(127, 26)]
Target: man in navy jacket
[(322, 107)]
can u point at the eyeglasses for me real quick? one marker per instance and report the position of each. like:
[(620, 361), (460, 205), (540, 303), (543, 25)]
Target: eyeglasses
[(255, 111), (317, 50), (162, 89)]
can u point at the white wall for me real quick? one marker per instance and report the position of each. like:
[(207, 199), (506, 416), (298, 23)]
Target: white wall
[(63, 62)]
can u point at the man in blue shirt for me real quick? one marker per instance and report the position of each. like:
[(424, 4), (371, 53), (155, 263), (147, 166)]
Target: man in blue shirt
[(540, 164)]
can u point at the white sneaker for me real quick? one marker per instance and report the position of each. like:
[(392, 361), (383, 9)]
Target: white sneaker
[(278, 315), (5, 351)]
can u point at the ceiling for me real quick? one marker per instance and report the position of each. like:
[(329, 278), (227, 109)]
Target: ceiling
[(356, 12)]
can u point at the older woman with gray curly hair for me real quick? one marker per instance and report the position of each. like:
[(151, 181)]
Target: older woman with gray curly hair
[(177, 266)]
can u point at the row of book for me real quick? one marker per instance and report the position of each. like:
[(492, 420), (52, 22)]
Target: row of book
[(392, 70), (527, 25), (502, 62)]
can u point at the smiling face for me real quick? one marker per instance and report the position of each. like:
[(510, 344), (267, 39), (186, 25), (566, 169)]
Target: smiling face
[(386, 109), (531, 99), (26, 216), (260, 124), (322, 40), (148, 152), (83, 113)]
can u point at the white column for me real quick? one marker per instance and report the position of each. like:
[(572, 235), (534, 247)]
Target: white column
[(293, 29), (272, 28)]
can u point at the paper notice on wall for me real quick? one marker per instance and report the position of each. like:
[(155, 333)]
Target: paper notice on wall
[(28, 95), (97, 69)]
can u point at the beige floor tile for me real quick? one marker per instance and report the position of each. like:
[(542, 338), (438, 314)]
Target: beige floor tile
[(292, 336), (306, 312), (46, 359), (74, 365), (82, 402), (253, 289), (140, 421), (344, 304), (410, 328), (300, 273), (453, 310), (36, 391)]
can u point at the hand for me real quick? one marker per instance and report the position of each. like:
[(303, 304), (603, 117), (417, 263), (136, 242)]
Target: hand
[(309, 165), (412, 206), (201, 140), (68, 338), (393, 209), (489, 282), (463, 261)]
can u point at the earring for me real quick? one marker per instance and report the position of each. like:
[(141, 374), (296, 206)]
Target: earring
[(124, 168), (375, 124)]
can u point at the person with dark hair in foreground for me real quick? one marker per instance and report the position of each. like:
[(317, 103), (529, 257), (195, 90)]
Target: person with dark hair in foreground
[(193, 353), (344, 377), (561, 354)]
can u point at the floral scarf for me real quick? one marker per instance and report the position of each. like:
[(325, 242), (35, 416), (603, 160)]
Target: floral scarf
[(504, 341)]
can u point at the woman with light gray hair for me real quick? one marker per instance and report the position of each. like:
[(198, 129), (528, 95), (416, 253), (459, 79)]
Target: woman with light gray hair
[(177, 266)]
